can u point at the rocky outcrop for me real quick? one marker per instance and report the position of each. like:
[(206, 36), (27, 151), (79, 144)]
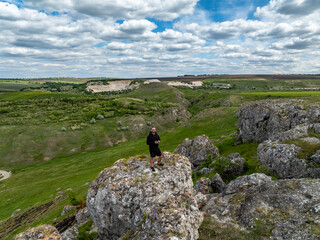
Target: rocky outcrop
[(268, 119), (282, 160), (129, 201), (197, 149), (255, 205), (40, 232)]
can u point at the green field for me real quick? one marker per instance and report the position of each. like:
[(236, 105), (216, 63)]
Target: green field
[(48, 142)]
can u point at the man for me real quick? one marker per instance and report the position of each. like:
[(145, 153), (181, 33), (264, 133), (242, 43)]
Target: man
[(153, 141)]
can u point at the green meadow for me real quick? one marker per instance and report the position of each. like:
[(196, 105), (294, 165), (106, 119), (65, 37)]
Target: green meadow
[(48, 142)]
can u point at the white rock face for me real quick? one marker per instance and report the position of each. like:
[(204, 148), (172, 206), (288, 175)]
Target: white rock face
[(128, 200)]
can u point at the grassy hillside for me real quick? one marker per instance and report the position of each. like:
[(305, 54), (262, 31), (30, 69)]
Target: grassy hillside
[(47, 140)]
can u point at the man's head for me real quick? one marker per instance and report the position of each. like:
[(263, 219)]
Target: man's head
[(153, 130)]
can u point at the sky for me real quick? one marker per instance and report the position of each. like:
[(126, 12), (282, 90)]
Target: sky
[(154, 38)]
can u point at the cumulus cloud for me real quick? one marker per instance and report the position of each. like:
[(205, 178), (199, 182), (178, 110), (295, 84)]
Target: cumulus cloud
[(120, 9), (88, 40), (288, 8)]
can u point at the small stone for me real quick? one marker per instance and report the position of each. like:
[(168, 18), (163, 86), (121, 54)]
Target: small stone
[(16, 212)]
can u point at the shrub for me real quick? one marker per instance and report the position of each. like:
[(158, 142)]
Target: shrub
[(84, 232), (73, 198), (92, 121)]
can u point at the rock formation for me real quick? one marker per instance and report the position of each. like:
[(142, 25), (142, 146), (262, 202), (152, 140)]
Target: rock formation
[(129, 201), (262, 120), (40, 232), (197, 149), (254, 204), (282, 160)]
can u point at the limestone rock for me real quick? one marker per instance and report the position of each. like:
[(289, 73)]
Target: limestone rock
[(236, 167), (311, 140), (40, 232), (83, 216), (128, 200), (245, 182), (316, 127), (67, 209), (203, 185), (205, 170), (201, 200), (217, 184), (316, 157), (282, 209), (282, 159), (70, 234), (197, 149), (263, 120)]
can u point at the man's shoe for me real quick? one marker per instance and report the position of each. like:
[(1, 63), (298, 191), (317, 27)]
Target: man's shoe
[(161, 164), (152, 169)]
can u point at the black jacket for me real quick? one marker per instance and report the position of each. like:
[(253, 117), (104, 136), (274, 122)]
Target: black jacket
[(150, 140)]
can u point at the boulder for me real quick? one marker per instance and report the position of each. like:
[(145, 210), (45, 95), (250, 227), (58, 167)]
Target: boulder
[(245, 182), (236, 167), (197, 149), (217, 184), (129, 201), (282, 159), (282, 209), (203, 185), (267, 119), (40, 232)]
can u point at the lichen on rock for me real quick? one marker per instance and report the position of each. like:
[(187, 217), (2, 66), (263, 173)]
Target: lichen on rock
[(129, 201), (40, 232)]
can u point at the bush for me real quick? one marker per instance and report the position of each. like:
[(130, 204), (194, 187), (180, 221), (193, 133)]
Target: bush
[(92, 121), (84, 232), (73, 198)]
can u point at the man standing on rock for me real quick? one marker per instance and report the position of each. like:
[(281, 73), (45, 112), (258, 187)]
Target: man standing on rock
[(153, 141)]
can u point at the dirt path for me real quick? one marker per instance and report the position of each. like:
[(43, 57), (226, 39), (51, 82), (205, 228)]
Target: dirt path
[(4, 175)]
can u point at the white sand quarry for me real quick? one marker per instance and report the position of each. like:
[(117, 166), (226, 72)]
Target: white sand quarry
[(190, 84), (113, 86), (4, 175), (121, 85)]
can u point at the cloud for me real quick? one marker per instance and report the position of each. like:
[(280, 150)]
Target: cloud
[(87, 40), (288, 8), (120, 9)]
